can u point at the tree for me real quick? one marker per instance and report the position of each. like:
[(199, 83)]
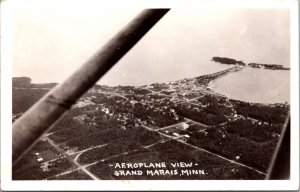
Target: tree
[(21, 81)]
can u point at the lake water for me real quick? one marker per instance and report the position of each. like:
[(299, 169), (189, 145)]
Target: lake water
[(146, 75), (255, 85)]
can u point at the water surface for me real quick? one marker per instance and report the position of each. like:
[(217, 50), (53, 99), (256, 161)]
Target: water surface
[(255, 85)]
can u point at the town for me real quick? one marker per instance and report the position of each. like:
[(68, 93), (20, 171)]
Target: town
[(178, 121)]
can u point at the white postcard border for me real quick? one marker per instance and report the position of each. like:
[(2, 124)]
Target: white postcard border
[(6, 111)]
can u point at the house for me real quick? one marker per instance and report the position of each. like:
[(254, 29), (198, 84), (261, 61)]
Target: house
[(184, 125)]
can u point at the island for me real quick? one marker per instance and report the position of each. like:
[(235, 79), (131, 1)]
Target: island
[(230, 61)]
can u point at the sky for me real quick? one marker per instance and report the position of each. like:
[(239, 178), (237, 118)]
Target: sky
[(50, 41)]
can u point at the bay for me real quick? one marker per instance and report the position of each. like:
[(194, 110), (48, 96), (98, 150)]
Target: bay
[(255, 85)]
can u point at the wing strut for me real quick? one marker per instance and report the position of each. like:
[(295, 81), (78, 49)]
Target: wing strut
[(49, 109)]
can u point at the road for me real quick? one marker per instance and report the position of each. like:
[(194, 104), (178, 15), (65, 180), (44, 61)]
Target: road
[(200, 124), (198, 148), (83, 167), (204, 150), (85, 150), (197, 123), (167, 127), (59, 150)]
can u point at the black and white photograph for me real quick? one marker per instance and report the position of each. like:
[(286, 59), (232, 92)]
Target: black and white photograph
[(205, 91)]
